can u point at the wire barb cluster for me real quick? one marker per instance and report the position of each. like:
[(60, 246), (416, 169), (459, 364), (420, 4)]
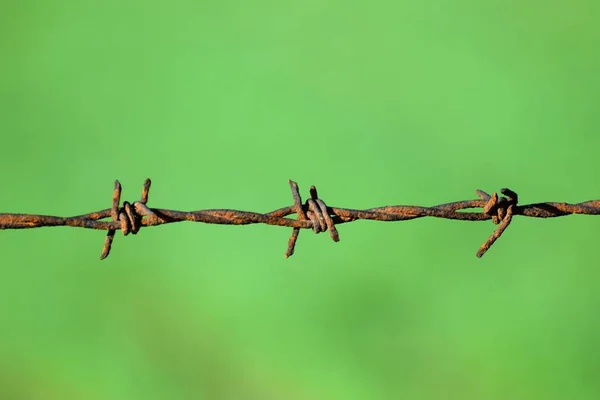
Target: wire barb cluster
[(313, 214), (129, 216), (317, 212)]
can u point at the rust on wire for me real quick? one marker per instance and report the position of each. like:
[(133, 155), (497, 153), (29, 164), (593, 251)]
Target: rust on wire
[(313, 214)]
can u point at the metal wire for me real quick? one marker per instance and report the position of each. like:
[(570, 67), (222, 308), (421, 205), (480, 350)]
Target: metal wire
[(313, 214)]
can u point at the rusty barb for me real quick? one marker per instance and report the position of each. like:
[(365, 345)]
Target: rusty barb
[(313, 214)]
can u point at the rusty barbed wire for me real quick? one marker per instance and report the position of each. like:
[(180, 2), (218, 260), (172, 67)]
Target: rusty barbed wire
[(313, 214)]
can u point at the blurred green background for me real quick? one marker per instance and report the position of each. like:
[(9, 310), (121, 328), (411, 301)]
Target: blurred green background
[(378, 103)]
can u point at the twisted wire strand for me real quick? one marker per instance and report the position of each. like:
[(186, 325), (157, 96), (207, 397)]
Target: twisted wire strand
[(313, 214)]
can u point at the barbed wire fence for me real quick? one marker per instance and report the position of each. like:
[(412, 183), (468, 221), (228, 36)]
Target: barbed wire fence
[(313, 214)]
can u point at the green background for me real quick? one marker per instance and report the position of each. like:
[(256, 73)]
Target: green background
[(378, 103)]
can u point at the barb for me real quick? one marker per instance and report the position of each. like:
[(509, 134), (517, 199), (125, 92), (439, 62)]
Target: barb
[(313, 214)]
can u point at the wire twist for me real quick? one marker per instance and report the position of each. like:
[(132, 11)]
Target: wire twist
[(313, 214), (314, 210), (129, 216), (501, 211)]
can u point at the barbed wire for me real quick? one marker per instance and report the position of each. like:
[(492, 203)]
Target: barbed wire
[(313, 214)]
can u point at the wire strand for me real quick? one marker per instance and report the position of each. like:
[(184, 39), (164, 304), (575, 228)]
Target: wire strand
[(313, 214)]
